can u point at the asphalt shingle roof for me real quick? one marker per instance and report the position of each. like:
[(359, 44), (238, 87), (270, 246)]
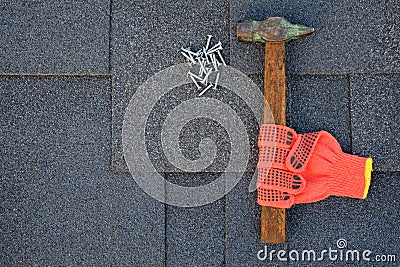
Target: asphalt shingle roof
[(68, 71)]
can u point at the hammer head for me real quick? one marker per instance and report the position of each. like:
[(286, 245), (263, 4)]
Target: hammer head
[(275, 29)]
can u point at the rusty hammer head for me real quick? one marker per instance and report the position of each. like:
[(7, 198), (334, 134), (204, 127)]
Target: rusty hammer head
[(275, 29)]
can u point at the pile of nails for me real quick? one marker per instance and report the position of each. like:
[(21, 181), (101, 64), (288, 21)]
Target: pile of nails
[(209, 59)]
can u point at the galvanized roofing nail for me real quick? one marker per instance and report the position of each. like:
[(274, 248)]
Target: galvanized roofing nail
[(188, 51), (216, 81), (201, 64), (208, 41), (214, 50), (205, 54), (208, 61), (220, 56), (195, 76), (189, 57), (205, 90), (195, 82), (217, 46), (206, 77), (201, 72), (214, 62)]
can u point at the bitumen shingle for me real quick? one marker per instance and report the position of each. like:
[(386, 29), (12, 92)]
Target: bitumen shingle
[(316, 103), (147, 37), (375, 120), (60, 203), (182, 106), (54, 37), (195, 236), (350, 36), (243, 227)]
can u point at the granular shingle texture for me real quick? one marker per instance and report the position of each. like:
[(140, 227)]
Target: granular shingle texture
[(316, 103), (60, 203), (317, 226), (195, 236), (54, 37), (350, 36), (243, 227), (368, 224), (147, 37), (375, 119), (62, 200)]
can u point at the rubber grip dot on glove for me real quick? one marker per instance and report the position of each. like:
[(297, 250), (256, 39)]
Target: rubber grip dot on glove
[(280, 180), (274, 198), (302, 150), (276, 135), (272, 156)]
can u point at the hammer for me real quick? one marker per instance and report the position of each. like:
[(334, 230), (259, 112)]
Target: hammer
[(274, 32)]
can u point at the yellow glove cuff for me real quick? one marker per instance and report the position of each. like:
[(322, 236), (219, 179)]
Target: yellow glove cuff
[(368, 170)]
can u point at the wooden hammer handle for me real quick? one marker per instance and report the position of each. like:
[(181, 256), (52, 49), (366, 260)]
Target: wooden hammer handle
[(273, 220)]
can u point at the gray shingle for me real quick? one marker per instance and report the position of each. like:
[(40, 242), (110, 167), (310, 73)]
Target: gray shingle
[(316, 103), (243, 227), (60, 203), (195, 236), (147, 37), (375, 119), (355, 36), (54, 37)]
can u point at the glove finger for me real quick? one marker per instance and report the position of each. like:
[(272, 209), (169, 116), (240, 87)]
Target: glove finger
[(281, 180), (272, 135), (274, 142), (303, 148), (274, 198), (272, 157)]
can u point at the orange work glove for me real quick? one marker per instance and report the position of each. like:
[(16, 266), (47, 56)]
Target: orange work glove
[(302, 168)]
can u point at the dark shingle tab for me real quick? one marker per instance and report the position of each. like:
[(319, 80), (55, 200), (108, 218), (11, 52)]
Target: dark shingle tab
[(350, 36), (195, 236), (54, 37), (316, 103), (375, 119), (61, 205), (147, 38)]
